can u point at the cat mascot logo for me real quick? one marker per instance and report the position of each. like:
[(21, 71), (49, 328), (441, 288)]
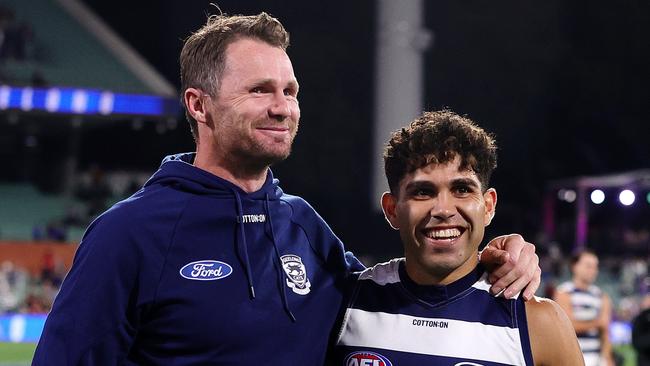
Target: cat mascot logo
[(297, 274)]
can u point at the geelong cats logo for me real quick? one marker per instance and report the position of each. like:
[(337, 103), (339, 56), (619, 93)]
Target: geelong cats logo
[(297, 274)]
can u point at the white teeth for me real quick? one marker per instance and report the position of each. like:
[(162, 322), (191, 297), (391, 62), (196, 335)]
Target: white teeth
[(444, 234)]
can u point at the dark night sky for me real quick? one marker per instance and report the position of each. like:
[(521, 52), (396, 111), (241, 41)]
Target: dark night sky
[(564, 85)]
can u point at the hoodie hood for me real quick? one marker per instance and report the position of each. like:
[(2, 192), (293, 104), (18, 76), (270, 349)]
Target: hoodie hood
[(177, 170)]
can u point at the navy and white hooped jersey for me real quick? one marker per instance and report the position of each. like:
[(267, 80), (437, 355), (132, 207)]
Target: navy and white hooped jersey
[(391, 321), (586, 305)]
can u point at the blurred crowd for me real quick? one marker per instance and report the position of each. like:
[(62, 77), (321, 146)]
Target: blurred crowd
[(94, 192), (16, 37), (626, 280), (18, 44), (30, 293)]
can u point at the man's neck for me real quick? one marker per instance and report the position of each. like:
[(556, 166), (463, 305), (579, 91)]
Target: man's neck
[(249, 179), (582, 285), (442, 278)]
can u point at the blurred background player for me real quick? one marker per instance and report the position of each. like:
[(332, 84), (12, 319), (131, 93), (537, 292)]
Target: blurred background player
[(589, 309)]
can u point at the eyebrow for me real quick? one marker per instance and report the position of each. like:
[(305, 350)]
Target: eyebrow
[(454, 182), (419, 184), (294, 84), (465, 181)]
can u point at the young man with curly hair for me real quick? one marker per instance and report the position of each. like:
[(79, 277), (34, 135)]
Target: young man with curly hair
[(432, 307)]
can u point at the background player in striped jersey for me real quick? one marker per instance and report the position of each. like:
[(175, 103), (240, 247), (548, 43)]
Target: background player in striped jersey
[(589, 309), (433, 306)]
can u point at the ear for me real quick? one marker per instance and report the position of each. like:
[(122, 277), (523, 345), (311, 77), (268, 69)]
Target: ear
[(490, 197), (388, 203), (194, 102)]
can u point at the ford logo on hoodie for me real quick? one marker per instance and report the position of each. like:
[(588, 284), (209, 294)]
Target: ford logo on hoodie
[(206, 270)]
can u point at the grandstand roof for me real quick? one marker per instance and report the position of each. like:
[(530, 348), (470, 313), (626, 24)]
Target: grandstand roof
[(72, 47)]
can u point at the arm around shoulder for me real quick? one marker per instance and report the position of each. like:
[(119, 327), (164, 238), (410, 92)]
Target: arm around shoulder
[(552, 337)]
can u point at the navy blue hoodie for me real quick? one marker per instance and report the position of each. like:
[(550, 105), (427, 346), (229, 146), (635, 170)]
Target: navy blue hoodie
[(192, 270)]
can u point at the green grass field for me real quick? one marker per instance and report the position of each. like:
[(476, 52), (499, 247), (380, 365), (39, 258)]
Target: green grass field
[(16, 354), (628, 354), (20, 354)]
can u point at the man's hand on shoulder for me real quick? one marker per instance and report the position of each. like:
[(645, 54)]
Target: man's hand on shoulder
[(513, 266)]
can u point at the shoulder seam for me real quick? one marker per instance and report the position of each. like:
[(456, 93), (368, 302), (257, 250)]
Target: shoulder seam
[(288, 200), (169, 246)]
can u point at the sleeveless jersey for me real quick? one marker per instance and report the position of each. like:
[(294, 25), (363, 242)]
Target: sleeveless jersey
[(586, 306), (390, 320)]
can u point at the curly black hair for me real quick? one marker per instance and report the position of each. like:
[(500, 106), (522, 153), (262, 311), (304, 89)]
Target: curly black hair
[(438, 137)]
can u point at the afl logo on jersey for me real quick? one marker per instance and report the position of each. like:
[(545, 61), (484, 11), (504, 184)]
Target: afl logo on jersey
[(366, 359), (468, 364), (206, 270)]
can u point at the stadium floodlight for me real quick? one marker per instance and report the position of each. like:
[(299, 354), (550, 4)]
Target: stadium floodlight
[(626, 197), (597, 196), (568, 195)]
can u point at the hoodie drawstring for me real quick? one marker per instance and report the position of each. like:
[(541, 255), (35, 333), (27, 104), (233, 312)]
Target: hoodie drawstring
[(279, 261), (242, 247)]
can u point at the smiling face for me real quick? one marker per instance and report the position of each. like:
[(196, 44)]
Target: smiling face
[(441, 212), (254, 117)]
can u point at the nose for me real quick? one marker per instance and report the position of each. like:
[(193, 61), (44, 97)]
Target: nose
[(443, 207), (280, 108)]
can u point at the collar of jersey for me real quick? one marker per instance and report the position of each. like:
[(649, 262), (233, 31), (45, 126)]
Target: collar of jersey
[(435, 294)]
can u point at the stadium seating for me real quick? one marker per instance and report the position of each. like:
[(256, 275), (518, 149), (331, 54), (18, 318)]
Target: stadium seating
[(66, 54)]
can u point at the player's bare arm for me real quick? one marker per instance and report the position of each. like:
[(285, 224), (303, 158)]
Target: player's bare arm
[(605, 319), (552, 338)]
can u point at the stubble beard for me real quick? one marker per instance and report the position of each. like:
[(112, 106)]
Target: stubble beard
[(257, 157), (254, 155), (437, 264)]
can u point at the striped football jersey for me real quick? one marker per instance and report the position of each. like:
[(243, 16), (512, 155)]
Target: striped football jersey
[(390, 321)]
